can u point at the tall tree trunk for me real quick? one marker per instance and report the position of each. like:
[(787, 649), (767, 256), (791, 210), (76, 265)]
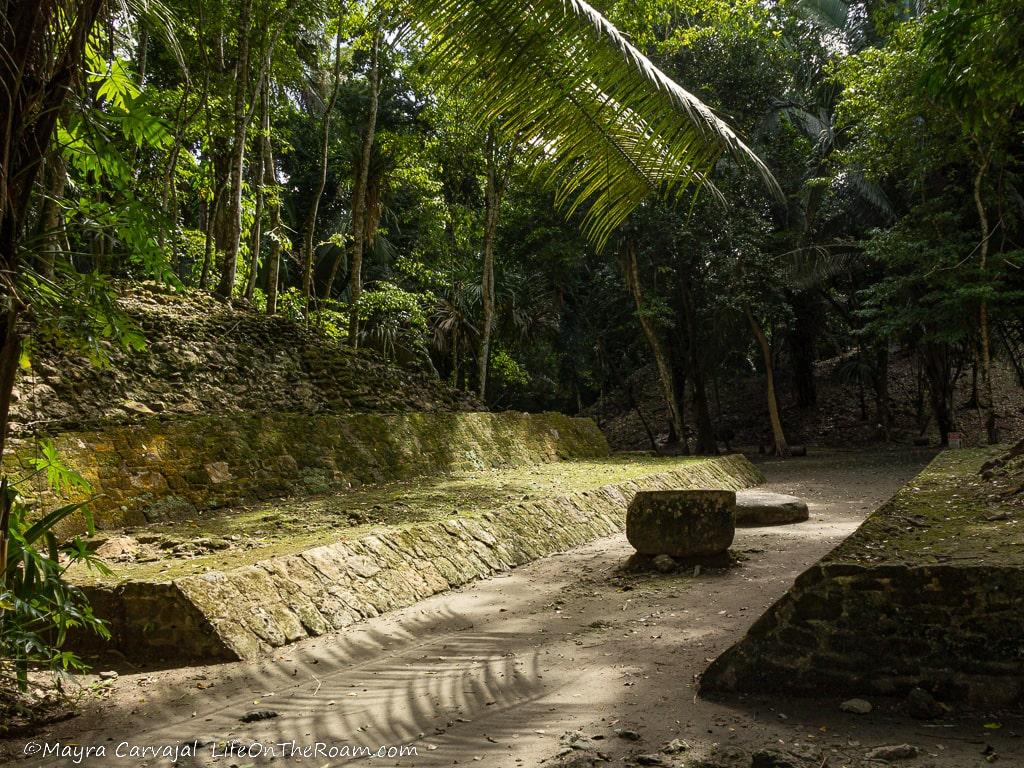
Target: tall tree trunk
[(983, 323), (140, 53), (309, 228), (256, 235), (240, 124), (938, 373), (50, 225), (494, 189), (778, 436), (679, 374), (706, 442), (273, 195), (654, 340), (359, 194), (213, 218)]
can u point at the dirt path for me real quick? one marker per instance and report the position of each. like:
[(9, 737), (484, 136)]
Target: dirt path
[(497, 673)]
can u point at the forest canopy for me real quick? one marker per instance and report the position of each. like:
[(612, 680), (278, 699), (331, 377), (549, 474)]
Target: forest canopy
[(535, 200)]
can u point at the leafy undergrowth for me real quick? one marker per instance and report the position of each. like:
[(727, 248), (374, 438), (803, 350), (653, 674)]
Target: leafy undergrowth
[(948, 514), (244, 535)]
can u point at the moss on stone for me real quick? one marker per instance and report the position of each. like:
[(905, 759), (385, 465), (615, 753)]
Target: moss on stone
[(927, 593), (270, 529), (288, 586), (948, 513), (161, 470)]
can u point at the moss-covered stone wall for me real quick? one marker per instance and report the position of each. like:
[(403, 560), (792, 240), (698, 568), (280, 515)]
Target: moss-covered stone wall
[(928, 593), (178, 469), (203, 356), (245, 611)]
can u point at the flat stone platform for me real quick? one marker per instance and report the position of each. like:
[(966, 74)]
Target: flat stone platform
[(755, 507), (235, 585), (927, 593)]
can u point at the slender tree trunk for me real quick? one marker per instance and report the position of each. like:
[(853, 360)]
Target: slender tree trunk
[(983, 323), (309, 229), (213, 217), (359, 195), (778, 436), (50, 225), (241, 123), (140, 54), (706, 442), (455, 360), (939, 377), (1012, 353), (257, 228), (273, 194), (883, 410), (494, 189), (679, 373), (658, 349)]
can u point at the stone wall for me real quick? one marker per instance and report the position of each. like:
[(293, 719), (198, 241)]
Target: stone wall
[(242, 612), (204, 357), (928, 593), (167, 470)]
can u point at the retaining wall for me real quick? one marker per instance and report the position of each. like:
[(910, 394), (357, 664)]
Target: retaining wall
[(172, 470), (242, 612)]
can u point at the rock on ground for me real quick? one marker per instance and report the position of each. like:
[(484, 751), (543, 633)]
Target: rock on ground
[(681, 524), (755, 507)]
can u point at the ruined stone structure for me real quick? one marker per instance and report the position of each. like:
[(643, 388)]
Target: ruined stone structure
[(174, 470), (928, 593), (274, 599)]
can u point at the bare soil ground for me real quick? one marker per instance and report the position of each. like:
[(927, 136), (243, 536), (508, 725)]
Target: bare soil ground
[(499, 674)]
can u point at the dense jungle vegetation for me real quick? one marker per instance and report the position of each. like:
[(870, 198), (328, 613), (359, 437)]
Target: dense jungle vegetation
[(532, 199), (506, 193)]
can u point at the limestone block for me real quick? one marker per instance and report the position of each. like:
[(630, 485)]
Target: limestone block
[(682, 524), (756, 507)]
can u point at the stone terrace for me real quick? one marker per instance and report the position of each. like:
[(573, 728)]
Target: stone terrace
[(249, 579), (929, 593)]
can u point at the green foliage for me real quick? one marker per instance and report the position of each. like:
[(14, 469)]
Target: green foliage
[(392, 318), (549, 79), (38, 607), (507, 372), (79, 312)]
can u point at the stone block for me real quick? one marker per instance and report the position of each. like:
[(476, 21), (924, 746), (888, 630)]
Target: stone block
[(755, 507), (682, 524)]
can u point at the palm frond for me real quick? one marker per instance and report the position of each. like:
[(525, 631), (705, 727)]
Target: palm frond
[(599, 120), (868, 191), (813, 265), (831, 14), (155, 15)]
